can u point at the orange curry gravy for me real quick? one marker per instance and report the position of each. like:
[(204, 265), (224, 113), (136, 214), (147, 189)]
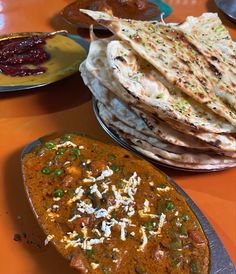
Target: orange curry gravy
[(109, 211), (131, 9)]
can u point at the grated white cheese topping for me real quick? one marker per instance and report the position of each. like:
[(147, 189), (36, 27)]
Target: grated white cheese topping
[(102, 213), (123, 197), (65, 144), (144, 239), (87, 244), (85, 208), (122, 230), (84, 230), (72, 234), (130, 189), (48, 239), (94, 265), (74, 218), (106, 227), (55, 206), (177, 213), (146, 206), (142, 214), (94, 189), (178, 223), (105, 187), (161, 223), (53, 215), (90, 179), (105, 173), (131, 211), (78, 194), (115, 249), (131, 185), (167, 188), (95, 230), (66, 163)]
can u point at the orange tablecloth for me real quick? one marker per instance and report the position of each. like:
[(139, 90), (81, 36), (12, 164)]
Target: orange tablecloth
[(27, 115)]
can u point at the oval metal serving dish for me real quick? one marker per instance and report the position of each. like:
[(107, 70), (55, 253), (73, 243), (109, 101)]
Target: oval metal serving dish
[(73, 56), (220, 261)]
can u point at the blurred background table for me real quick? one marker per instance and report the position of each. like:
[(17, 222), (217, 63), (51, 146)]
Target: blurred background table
[(26, 115)]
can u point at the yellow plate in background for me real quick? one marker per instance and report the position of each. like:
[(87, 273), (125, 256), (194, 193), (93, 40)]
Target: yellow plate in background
[(66, 51)]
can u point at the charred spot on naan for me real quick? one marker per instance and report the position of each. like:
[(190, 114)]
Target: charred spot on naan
[(158, 39)]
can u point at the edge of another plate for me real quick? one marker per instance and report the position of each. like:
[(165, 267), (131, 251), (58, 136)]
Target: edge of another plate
[(165, 9), (228, 11)]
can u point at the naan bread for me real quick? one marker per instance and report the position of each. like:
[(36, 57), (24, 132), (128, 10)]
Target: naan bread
[(116, 107), (152, 109), (139, 120), (167, 48), (96, 64), (225, 144), (164, 150), (143, 82), (213, 40), (197, 167), (97, 59), (219, 141)]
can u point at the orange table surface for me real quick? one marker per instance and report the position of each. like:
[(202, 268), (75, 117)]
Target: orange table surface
[(26, 115)]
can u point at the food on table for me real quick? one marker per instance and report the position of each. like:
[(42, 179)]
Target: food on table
[(109, 211), (19, 54), (178, 80), (133, 9), (38, 58)]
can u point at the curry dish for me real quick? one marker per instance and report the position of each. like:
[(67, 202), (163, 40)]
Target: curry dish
[(65, 58), (108, 211), (133, 9)]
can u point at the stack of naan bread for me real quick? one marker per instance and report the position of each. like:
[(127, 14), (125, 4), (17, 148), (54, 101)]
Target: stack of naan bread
[(168, 90)]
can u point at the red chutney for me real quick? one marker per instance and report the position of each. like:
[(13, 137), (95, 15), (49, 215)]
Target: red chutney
[(108, 211), (23, 56), (137, 9)]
